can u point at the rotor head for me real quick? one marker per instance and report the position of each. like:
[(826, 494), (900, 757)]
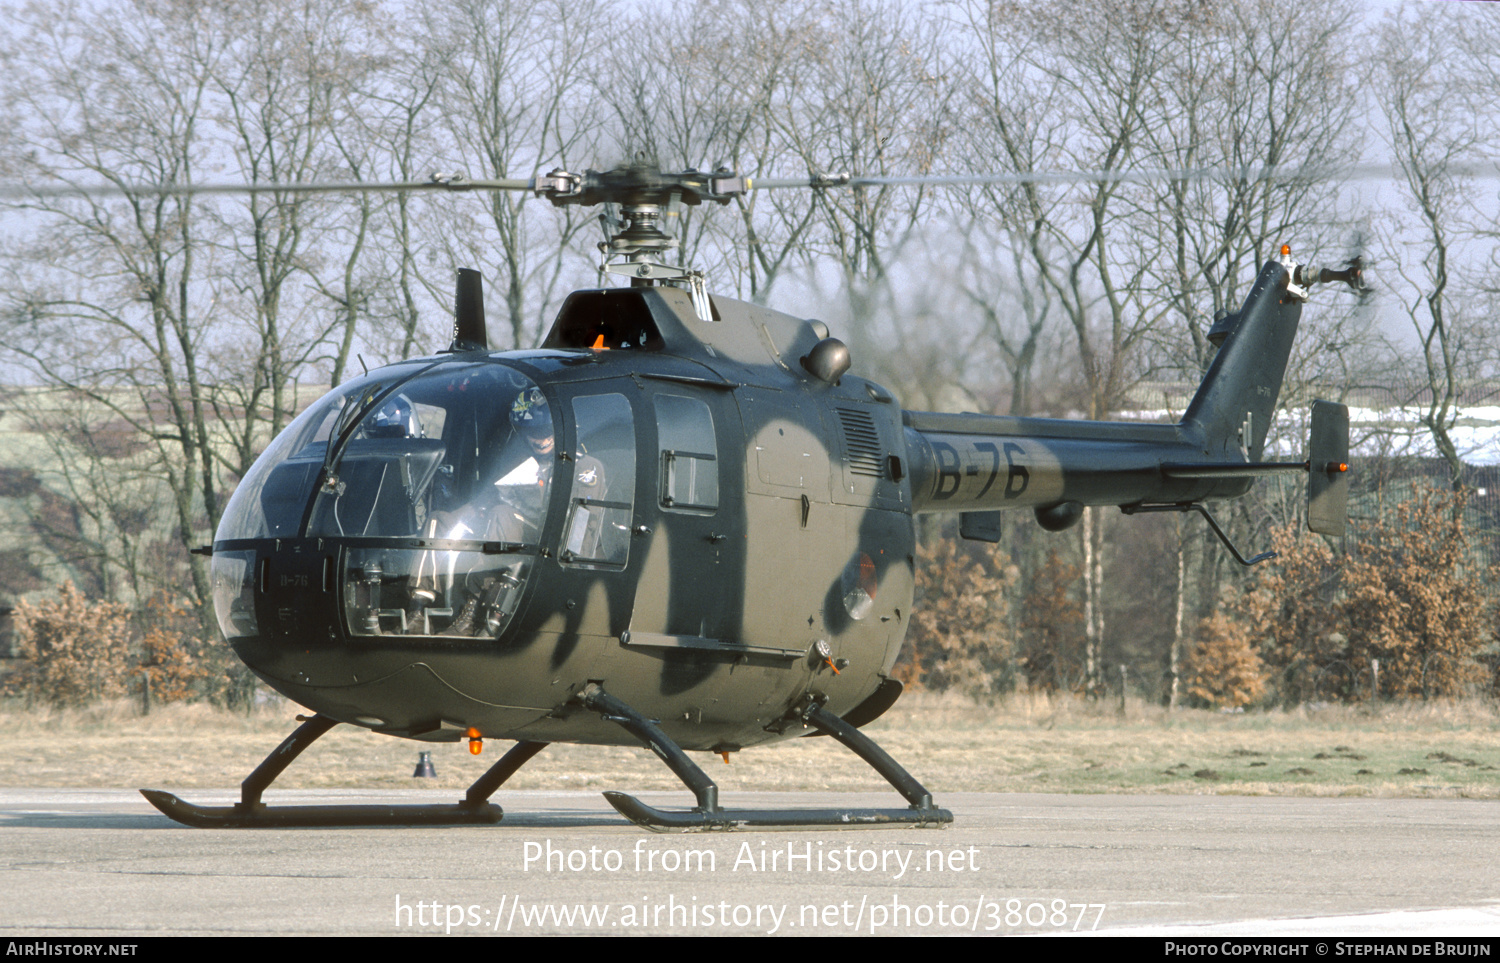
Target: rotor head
[(639, 185)]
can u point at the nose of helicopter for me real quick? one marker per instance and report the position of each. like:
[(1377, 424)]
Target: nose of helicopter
[(378, 636), (391, 525)]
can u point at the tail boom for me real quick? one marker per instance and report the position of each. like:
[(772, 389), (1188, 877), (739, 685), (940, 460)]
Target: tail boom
[(974, 463), (982, 463)]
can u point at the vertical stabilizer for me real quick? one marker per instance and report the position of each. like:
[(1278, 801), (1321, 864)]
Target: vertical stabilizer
[(1237, 400)]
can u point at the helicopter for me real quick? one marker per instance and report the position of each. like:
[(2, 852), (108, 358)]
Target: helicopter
[(680, 522)]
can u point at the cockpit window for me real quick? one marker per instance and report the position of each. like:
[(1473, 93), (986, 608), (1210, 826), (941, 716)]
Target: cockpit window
[(433, 459), (602, 491), (462, 457), (430, 457), (268, 503)]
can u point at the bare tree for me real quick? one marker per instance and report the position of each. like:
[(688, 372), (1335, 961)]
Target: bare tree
[(515, 99), (98, 507), (290, 72), (389, 129), (1012, 122), (1248, 90), (169, 315), (1155, 84), (1106, 64), (1251, 88), (770, 72), (871, 99), (107, 298), (1433, 133)]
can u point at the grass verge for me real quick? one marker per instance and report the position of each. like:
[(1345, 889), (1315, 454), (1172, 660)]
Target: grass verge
[(1021, 744)]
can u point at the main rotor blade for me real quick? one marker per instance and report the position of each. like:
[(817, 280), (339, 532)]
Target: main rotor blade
[(438, 183), (565, 190), (1479, 169)]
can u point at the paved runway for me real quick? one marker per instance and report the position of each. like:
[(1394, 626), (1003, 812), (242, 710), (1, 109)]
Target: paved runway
[(103, 863)]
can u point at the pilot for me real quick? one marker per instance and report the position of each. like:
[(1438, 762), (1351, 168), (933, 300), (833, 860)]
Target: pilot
[(511, 509), (525, 487), (532, 417), (397, 418)]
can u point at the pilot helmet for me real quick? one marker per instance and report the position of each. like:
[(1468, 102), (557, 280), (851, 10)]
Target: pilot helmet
[(530, 414), (395, 419)]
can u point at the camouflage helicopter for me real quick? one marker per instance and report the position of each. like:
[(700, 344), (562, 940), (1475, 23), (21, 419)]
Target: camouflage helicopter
[(680, 522)]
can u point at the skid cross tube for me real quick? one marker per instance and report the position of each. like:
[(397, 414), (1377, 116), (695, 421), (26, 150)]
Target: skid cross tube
[(705, 790), (250, 812), (868, 750), (484, 787), (707, 815)]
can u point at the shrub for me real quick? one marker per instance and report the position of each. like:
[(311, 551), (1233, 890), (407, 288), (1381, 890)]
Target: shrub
[(1414, 599), (1292, 612), (171, 653), (957, 637), (74, 650), (1409, 594), (1222, 667)]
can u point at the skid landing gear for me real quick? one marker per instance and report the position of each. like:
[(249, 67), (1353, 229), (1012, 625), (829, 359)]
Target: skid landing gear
[(707, 815), (476, 809), (250, 812)]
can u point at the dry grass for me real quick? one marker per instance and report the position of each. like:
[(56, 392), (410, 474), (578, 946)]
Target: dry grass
[(1022, 744)]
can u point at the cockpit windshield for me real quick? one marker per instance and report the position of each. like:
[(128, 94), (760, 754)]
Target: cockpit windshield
[(434, 478), (444, 451)]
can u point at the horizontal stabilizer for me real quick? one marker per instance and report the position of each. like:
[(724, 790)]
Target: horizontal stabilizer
[(1254, 469)]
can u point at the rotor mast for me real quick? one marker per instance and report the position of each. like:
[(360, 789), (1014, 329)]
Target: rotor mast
[(636, 248)]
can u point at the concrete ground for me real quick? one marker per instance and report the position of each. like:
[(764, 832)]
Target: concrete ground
[(103, 863)]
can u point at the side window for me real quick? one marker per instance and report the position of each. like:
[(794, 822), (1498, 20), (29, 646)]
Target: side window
[(601, 496), (688, 456)]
